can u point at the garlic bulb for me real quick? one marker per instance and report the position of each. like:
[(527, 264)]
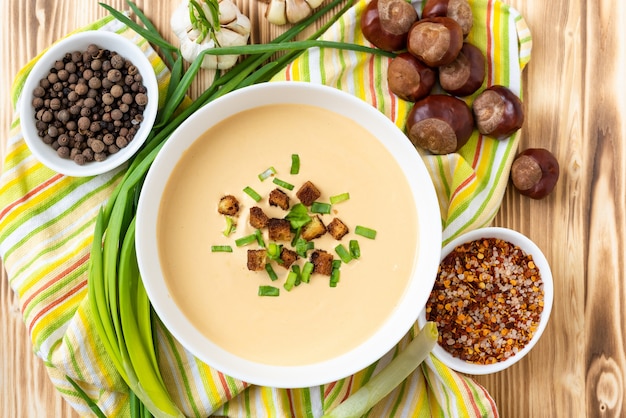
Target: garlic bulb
[(198, 30), (281, 12)]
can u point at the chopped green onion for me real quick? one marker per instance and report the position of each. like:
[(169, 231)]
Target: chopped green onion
[(339, 198), (291, 281), (336, 264), (365, 232), (343, 253), (307, 269), (267, 173), (230, 226), (270, 271), (298, 216), (296, 269), (273, 251), (248, 239), (295, 164), (252, 193), (334, 277), (268, 291), (355, 249), (221, 249), (259, 238), (296, 236), (318, 207), (282, 183)]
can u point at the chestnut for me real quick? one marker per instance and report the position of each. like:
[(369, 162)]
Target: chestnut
[(435, 41), (440, 123), (498, 112), (465, 74), (535, 172), (386, 23), (459, 10), (409, 78)]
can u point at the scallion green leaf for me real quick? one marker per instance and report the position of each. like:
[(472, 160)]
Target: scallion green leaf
[(339, 198), (365, 232), (252, 193), (295, 164), (390, 377), (221, 249), (283, 183), (320, 207), (267, 174), (268, 291)]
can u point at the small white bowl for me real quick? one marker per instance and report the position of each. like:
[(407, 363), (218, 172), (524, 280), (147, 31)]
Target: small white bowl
[(540, 261), (79, 42)]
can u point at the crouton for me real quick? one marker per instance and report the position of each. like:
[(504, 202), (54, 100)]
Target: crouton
[(288, 257), (337, 229), (279, 229), (279, 198), (313, 229), (258, 218), (308, 193), (228, 205), (322, 262), (257, 259)]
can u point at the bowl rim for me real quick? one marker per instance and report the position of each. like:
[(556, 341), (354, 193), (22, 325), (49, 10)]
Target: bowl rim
[(399, 322), (529, 247), (114, 42)]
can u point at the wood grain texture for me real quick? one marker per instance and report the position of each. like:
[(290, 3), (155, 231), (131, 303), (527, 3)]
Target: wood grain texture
[(574, 102)]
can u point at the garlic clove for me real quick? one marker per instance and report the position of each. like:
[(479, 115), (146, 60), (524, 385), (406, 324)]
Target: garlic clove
[(276, 12), (314, 4), (228, 12), (297, 10)]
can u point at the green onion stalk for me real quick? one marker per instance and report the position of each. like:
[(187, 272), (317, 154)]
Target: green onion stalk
[(122, 312)]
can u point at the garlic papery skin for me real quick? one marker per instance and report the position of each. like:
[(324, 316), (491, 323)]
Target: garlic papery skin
[(234, 30)]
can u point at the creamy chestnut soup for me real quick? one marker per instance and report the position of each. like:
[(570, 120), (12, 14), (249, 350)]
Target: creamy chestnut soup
[(312, 322)]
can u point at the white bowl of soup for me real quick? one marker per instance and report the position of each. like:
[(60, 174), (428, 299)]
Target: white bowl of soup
[(195, 261)]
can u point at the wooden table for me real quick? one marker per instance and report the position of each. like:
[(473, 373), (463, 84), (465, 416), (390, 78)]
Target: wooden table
[(574, 102)]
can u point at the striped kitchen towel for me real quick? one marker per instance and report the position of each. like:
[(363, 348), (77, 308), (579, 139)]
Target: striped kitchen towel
[(46, 229)]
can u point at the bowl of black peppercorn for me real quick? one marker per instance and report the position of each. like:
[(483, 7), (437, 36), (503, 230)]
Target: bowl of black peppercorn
[(89, 103)]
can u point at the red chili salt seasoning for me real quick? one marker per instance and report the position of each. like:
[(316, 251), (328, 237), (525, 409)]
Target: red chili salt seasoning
[(487, 301)]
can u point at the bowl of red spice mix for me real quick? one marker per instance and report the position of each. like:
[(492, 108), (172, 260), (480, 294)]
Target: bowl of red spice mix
[(491, 300), (88, 103)]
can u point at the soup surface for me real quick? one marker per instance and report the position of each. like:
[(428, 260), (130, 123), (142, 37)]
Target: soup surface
[(312, 322)]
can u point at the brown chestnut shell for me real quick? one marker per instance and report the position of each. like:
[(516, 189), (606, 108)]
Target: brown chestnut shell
[(535, 172), (409, 78), (388, 31), (435, 41), (466, 74), (498, 112), (440, 123), (459, 10)]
